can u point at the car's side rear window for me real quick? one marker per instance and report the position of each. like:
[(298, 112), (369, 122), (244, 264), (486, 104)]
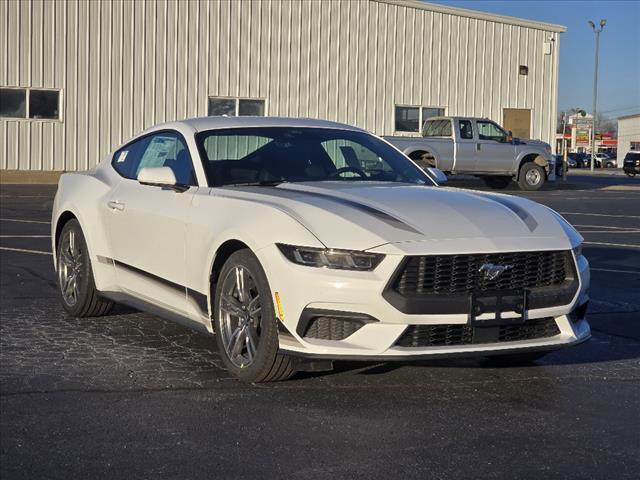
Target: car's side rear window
[(126, 160), (437, 128)]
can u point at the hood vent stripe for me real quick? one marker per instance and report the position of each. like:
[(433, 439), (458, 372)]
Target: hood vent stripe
[(525, 216), (374, 212)]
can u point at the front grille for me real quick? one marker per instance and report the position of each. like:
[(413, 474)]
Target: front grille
[(444, 284), (452, 274), (450, 335)]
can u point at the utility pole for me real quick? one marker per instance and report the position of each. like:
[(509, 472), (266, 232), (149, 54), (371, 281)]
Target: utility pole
[(595, 91)]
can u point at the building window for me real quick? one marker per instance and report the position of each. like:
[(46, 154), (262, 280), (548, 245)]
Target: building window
[(13, 102), (234, 107), (250, 107), (410, 118), (634, 145), (42, 103)]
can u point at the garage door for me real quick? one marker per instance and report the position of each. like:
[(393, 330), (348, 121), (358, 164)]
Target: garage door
[(518, 120)]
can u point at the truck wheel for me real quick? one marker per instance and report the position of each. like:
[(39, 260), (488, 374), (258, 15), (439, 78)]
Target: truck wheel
[(497, 182), (531, 176)]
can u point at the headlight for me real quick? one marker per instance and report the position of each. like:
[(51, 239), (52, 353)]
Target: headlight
[(577, 250), (329, 258)]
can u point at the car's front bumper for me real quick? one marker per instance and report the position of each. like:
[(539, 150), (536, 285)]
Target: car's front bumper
[(301, 289)]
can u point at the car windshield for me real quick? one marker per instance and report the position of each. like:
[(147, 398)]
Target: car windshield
[(270, 155)]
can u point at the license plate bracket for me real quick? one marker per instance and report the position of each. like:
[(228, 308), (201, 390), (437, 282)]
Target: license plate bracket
[(498, 303)]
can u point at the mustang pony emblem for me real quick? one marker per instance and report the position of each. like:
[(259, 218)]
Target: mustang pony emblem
[(492, 271)]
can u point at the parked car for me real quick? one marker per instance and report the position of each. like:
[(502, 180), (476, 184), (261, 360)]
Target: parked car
[(300, 241), (580, 159), (571, 162), (606, 160), (631, 163), (480, 147)]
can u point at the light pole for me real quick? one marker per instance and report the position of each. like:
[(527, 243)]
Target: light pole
[(595, 90)]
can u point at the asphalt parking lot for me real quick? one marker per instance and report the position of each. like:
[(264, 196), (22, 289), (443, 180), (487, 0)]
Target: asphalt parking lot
[(132, 396)]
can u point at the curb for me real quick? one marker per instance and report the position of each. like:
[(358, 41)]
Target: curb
[(14, 177)]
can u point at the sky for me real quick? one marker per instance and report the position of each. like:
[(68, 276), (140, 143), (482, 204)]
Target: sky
[(619, 64)]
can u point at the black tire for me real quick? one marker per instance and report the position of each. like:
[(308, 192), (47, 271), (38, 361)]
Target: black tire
[(85, 301), (531, 177), (631, 174), (512, 359), (267, 364), (497, 182)]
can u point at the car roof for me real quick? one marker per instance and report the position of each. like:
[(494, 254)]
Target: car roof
[(199, 124), (448, 117)]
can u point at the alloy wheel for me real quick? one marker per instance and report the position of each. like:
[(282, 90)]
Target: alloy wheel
[(70, 264), (240, 314)]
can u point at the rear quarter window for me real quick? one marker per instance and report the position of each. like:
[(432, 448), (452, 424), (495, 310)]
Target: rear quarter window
[(437, 128), (126, 160)]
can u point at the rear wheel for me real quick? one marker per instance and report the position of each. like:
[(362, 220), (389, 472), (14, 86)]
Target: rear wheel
[(245, 321), (423, 159), (75, 275), (531, 176), (497, 182)]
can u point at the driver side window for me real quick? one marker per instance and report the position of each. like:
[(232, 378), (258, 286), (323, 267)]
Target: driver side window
[(490, 131), (168, 150)]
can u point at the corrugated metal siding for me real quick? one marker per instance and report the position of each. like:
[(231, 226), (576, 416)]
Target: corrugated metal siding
[(124, 66)]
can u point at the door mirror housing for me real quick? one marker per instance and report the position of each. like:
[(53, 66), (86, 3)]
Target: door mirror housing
[(160, 177), (437, 174)]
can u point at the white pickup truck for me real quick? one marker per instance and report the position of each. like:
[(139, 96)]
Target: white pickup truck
[(480, 147)]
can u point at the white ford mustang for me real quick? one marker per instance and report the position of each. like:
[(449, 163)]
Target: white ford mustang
[(303, 241)]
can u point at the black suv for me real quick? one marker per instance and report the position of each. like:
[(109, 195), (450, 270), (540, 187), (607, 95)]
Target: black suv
[(631, 164)]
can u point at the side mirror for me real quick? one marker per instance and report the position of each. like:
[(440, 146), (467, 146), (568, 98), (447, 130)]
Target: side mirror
[(437, 174), (160, 177)]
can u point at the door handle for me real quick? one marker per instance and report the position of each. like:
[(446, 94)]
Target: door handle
[(115, 205)]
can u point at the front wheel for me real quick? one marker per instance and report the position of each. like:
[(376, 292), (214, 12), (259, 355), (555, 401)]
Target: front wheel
[(245, 322), (631, 174), (75, 275), (497, 182), (531, 176)]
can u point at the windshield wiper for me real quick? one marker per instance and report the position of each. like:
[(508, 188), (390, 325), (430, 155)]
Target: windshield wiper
[(261, 183)]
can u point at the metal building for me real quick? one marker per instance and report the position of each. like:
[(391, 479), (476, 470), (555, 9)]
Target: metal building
[(628, 135), (79, 77)]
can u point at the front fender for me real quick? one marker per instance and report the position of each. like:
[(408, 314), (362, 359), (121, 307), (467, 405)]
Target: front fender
[(255, 224)]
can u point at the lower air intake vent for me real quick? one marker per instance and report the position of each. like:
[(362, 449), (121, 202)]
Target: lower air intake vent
[(446, 335), (328, 328)]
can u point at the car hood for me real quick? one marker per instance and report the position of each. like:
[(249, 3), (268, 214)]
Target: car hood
[(408, 218)]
